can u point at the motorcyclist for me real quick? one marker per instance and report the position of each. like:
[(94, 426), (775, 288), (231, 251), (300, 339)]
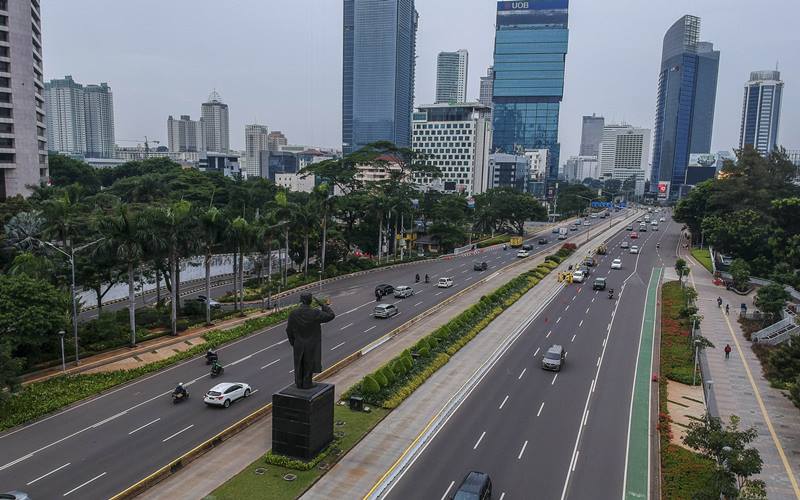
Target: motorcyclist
[(610, 293), (416, 278), (658, 245), (211, 356), (216, 368), (505, 247), (180, 391), (377, 295), (427, 278)]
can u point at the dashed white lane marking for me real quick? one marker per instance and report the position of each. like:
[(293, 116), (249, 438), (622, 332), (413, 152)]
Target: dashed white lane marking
[(447, 490), (370, 328), (540, 409), (548, 334), (587, 310), (173, 435), (522, 373), (270, 364), (418, 303), (73, 490), (554, 379), (524, 445), (51, 472), (479, 440), (566, 308), (577, 454), (439, 293), (143, 426), (348, 325), (537, 352), (337, 346), (558, 320), (573, 338), (503, 403)]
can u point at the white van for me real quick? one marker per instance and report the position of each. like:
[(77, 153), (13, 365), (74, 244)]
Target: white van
[(445, 283)]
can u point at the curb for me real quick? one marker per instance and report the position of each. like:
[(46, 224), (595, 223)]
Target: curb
[(178, 463)]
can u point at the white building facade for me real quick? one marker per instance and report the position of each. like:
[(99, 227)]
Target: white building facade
[(184, 135), (80, 119), (256, 140), (624, 152), (216, 131), (761, 111), (451, 76), (578, 168), (296, 182)]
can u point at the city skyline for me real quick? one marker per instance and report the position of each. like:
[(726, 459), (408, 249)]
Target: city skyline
[(623, 95)]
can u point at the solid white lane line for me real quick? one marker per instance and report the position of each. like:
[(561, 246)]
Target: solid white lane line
[(575, 463), (447, 490), (586, 417), (554, 379), (370, 328), (418, 303), (291, 371), (503, 403), (524, 445), (540, 409), (45, 475), (172, 436), (573, 338), (73, 490), (537, 352), (270, 363), (348, 325), (143, 426), (479, 440), (337, 346), (522, 373), (559, 319)]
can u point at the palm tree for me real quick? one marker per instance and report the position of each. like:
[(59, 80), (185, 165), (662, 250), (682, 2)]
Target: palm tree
[(123, 234), (241, 233), (213, 224)]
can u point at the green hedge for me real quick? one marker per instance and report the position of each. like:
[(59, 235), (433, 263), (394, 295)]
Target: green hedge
[(40, 398), (677, 354), (502, 238), (413, 367), (296, 464)]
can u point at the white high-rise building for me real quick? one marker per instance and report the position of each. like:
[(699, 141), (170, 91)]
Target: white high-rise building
[(456, 139), (538, 163), (256, 138), (624, 151), (80, 118), (761, 111), (216, 132), (23, 146), (184, 135), (451, 76), (578, 168), (487, 84)]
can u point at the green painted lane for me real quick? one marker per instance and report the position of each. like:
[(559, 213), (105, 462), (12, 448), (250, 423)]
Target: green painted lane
[(637, 458)]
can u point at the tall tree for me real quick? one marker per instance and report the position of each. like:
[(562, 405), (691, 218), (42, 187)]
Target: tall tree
[(213, 226)]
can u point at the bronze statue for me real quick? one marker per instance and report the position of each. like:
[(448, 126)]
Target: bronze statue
[(305, 336)]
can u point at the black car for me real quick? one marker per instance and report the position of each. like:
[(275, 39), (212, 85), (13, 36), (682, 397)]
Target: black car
[(384, 290), (475, 486), (527, 247), (480, 266), (543, 241), (599, 284)]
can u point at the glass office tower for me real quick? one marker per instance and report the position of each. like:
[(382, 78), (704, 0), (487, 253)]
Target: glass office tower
[(530, 48), (761, 111), (379, 42), (687, 90)]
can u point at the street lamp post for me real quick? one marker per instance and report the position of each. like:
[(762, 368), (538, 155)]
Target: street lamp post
[(61, 334), (696, 359)]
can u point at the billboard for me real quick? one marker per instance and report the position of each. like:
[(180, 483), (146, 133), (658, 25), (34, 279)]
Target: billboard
[(663, 190), (532, 13)]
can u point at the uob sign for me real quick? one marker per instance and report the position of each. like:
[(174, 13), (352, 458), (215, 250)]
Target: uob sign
[(519, 5)]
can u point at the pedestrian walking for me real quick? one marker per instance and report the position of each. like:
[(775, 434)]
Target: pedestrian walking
[(727, 308), (719, 301), (727, 351)]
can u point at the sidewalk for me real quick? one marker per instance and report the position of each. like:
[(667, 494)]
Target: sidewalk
[(740, 388)]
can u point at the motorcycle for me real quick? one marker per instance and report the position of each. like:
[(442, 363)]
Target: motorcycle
[(611, 294), (416, 278), (427, 279), (210, 359), (177, 397), (505, 247), (217, 370)]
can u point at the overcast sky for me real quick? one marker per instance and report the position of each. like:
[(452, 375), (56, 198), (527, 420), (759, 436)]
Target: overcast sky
[(278, 62)]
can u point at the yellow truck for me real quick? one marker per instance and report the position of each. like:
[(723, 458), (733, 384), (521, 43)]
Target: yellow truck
[(516, 241)]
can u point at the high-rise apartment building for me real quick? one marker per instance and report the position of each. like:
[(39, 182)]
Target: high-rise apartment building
[(80, 118), (591, 135), (216, 133), (451, 76), (379, 51), (185, 135), (687, 89), (578, 168), (624, 152), (529, 53), (761, 111), (455, 138), (23, 146), (275, 140), (485, 96), (256, 140)]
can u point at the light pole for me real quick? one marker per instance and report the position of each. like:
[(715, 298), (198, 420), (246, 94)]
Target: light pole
[(61, 334), (71, 257), (588, 210), (696, 359)]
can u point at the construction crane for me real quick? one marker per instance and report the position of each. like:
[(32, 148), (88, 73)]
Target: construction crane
[(138, 141)]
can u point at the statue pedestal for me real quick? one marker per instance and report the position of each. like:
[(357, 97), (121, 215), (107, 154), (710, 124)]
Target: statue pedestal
[(302, 420)]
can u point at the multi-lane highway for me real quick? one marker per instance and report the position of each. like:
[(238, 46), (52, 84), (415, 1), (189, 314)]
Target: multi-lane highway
[(543, 434), (98, 447)]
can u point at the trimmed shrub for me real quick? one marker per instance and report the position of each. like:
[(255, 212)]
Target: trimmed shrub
[(381, 379), (370, 386), (387, 372), (424, 351)]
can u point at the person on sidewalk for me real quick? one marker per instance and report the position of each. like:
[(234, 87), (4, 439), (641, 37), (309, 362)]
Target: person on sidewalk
[(727, 309), (727, 351), (719, 301)]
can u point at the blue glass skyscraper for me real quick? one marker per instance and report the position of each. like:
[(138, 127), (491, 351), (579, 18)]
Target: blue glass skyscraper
[(687, 90), (761, 111), (530, 48), (379, 42)]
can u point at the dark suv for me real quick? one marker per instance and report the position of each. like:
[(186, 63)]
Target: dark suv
[(599, 284), (475, 486), (384, 290), (480, 266)]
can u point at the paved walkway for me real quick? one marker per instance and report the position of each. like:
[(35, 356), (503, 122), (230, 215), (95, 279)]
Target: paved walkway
[(740, 388)]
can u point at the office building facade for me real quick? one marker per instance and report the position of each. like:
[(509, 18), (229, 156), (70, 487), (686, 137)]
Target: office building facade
[(80, 118), (592, 135), (224, 163), (275, 140), (761, 111), (256, 140), (624, 152), (278, 162), (451, 76), (184, 135), (216, 131), (578, 168), (509, 171), (455, 138), (529, 54), (687, 89), (487, 83), (379, 51)]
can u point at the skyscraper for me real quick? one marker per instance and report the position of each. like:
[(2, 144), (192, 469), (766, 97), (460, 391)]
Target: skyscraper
[(591, 135), (185, 135), (214, 114), (256, 141), (275, 140), (687, 89), (761, 111), (379, 42), (529, 53), (451, 76), (485, 96), (624, 152), (23, 147), (80, 119)]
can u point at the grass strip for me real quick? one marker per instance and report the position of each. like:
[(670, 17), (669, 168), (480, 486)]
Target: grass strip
[(677, 361), (703, 256)]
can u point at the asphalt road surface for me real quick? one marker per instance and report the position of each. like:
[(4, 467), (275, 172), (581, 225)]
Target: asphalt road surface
[(521, 424), (101, 446)]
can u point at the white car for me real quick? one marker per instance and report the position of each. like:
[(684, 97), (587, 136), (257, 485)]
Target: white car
[(445, 283), (226, 393), (587, 223), (523, 253), (661, 219), (578, 277), (403, 291), (634, 249), (616, 264), (624, 244)]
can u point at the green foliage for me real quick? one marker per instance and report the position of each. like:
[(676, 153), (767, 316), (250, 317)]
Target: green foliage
[(292, 463), (677, 362), (65, 171), (411, 384), (424, 351), (572, 198), (740, 271), (703, 256), (370, 386), (771, 299), (381, 379), (388, 374)]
